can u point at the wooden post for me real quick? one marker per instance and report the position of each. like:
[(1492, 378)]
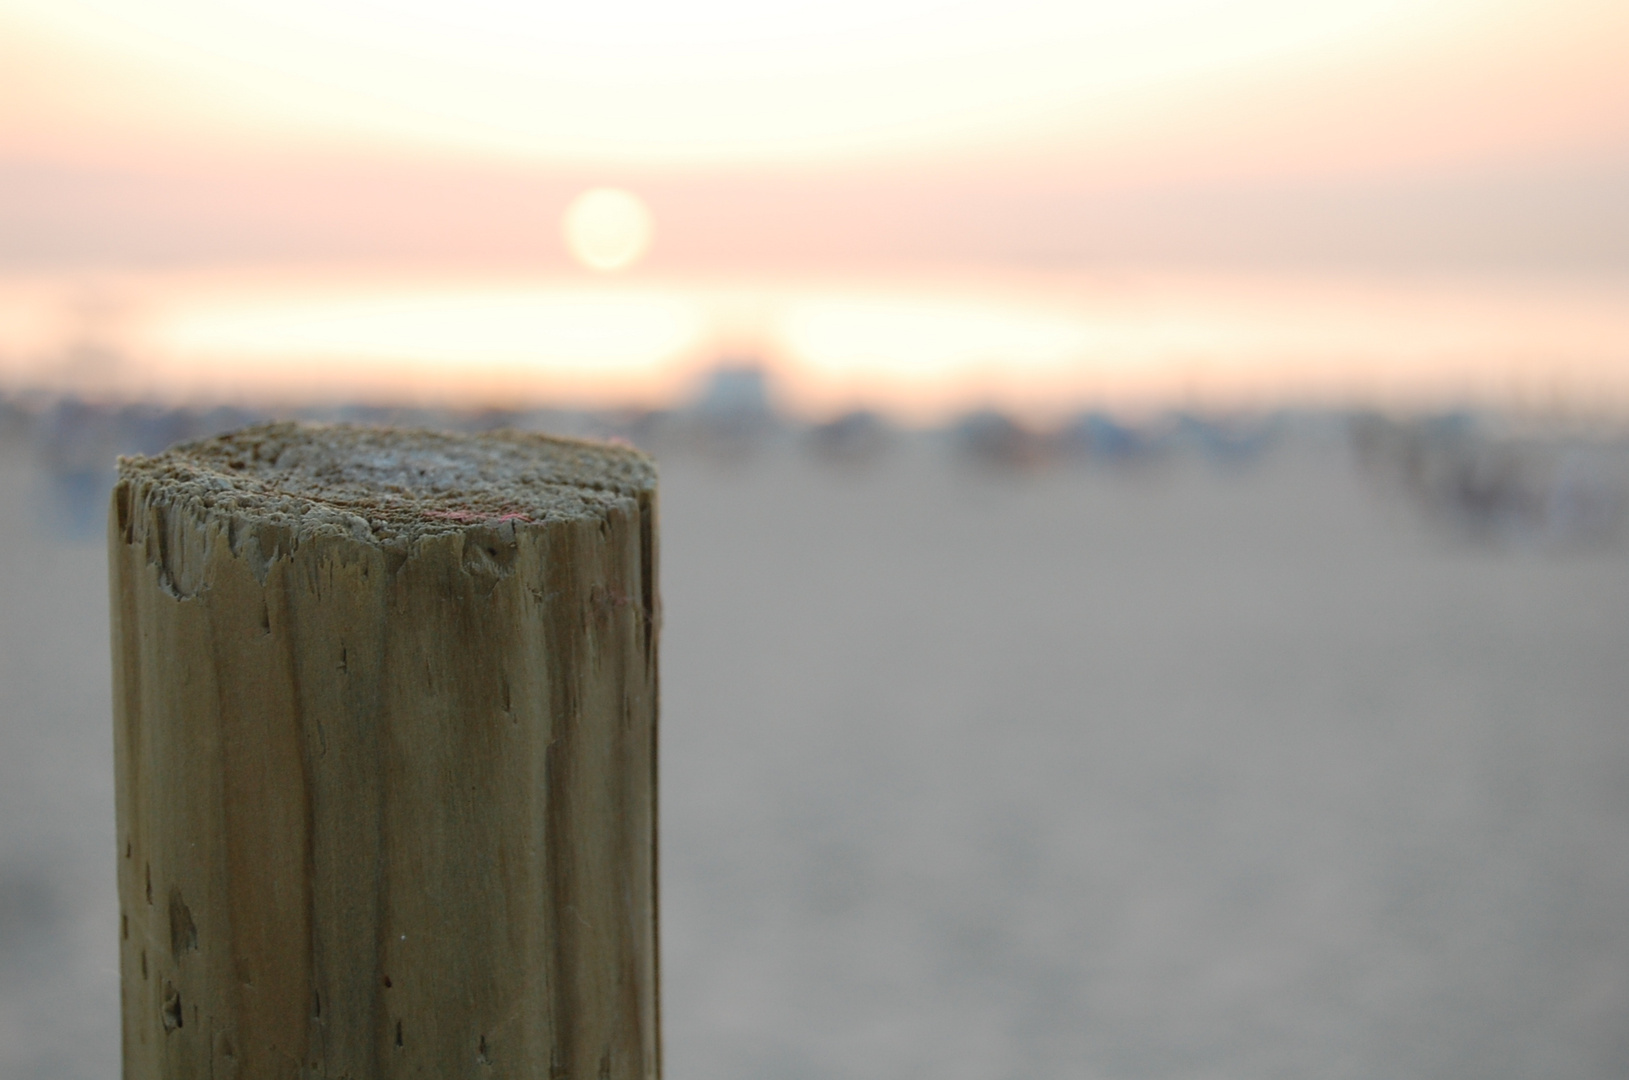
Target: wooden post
[(385, 718)]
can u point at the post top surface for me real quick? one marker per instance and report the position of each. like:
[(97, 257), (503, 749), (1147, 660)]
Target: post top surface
[(393, 484)]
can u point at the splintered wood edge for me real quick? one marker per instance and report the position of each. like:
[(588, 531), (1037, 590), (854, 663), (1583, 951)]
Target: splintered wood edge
[(390, 487)]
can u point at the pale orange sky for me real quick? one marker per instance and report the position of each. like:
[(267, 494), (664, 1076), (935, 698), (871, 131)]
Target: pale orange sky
[(893, 130), (914, 203)]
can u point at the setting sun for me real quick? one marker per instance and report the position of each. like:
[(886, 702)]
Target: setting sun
[(607, 229), (911, 203)]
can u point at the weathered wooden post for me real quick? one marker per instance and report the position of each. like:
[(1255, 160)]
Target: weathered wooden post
[(385, 718)]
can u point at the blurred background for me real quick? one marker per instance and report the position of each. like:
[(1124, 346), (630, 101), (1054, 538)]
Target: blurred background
[(1144, 486)]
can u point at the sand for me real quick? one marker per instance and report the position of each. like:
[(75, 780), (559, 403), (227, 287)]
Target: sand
[(1178, 773)]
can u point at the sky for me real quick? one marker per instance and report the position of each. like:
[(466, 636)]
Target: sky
[(904, 141), (1454, 132)]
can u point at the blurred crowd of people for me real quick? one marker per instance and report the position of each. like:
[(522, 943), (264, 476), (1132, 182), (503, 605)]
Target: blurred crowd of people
[(1486, 482), (1482, 477)]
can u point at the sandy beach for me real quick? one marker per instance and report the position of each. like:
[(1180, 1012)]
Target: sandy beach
[(1177, 772)]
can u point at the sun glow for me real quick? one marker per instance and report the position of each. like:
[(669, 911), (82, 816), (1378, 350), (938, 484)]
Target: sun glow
[(921, 350), (261, 335)]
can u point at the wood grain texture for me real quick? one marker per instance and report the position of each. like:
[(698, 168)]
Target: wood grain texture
[(385, 719)]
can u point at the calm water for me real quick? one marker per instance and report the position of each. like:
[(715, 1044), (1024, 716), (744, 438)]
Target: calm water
[(918, 341)]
